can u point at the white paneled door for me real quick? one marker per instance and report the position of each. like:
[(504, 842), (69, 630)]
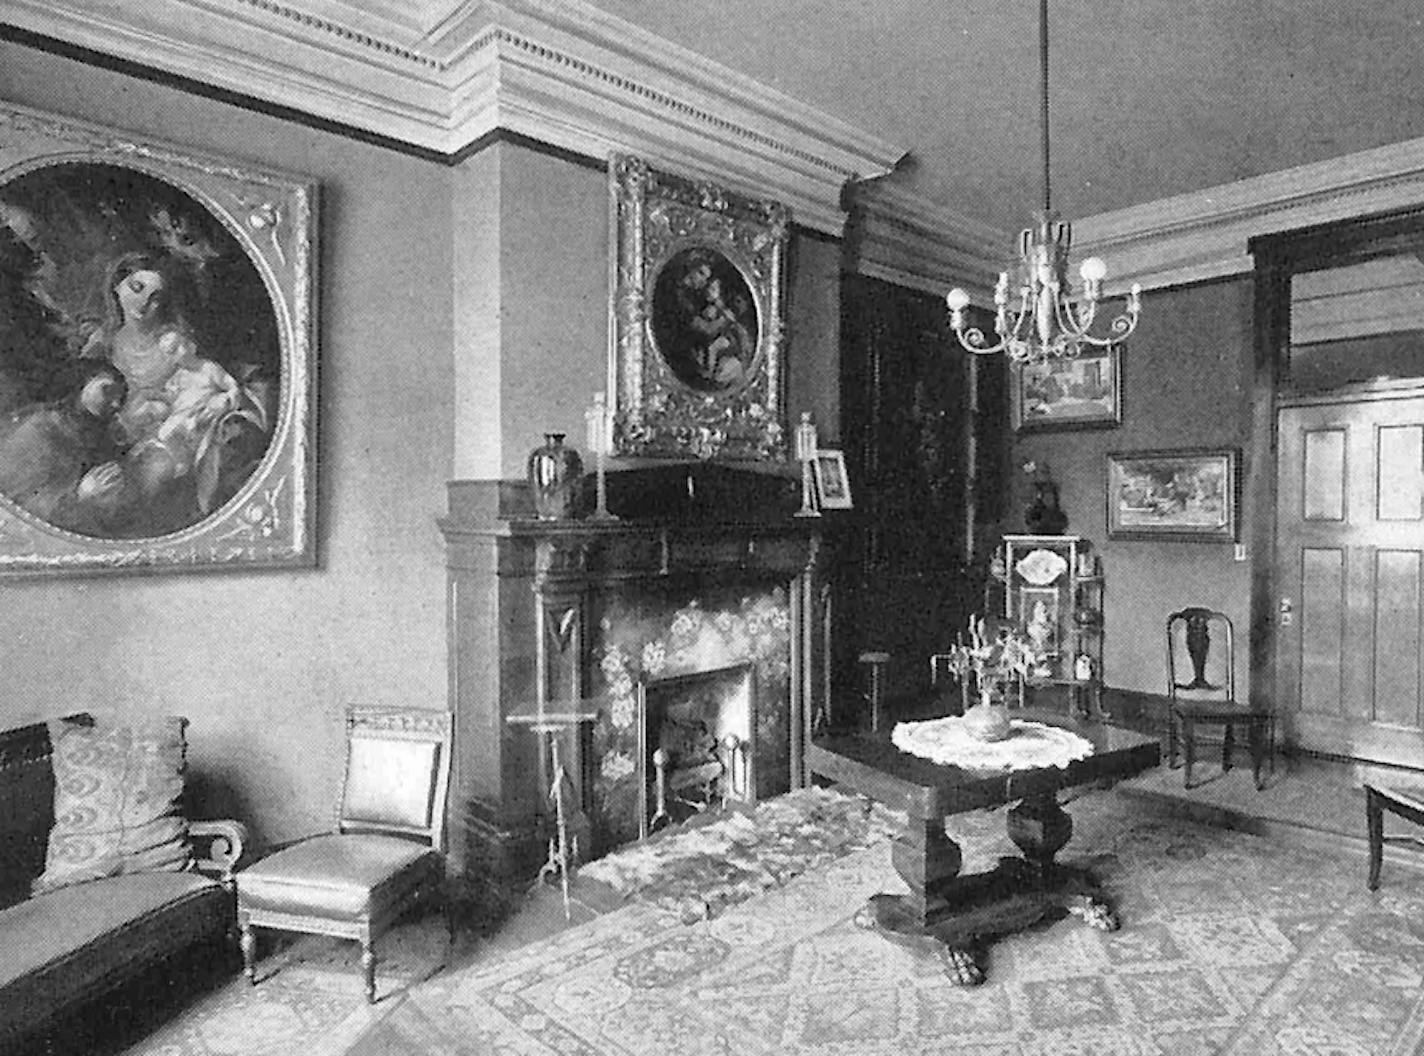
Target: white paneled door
[(1350, 569)]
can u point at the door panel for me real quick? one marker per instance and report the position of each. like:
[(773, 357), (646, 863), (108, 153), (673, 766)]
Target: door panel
[(1350, 564), (1397, 639)]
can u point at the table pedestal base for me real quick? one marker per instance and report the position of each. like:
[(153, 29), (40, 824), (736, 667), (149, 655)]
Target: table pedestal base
[(959, 913)]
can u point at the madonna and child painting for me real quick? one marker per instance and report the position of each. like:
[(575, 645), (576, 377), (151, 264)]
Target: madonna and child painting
[(140, 358)]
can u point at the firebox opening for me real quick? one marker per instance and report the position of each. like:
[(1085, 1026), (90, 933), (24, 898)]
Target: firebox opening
[(695, 745)]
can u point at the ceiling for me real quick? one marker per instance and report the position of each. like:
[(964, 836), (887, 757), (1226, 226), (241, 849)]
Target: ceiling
[(1150, 98)]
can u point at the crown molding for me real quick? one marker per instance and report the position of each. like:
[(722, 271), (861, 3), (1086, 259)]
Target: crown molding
[(1205, 234), (905, 238), (439, 76)]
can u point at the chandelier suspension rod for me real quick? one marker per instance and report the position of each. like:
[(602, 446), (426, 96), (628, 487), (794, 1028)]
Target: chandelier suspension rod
[(1043, 100)]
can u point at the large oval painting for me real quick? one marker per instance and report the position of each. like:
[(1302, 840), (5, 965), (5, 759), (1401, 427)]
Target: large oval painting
[(140, 353), (704, 320)]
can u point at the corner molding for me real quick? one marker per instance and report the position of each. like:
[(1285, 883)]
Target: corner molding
[(1204, 234), (440, 75), (443, 76), (907, 239)]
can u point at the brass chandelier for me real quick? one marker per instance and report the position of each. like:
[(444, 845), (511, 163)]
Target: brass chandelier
[(1048, 320)]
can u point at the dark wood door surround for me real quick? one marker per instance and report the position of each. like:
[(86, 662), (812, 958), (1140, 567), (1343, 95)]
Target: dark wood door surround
[(521, 592), (963, 911), (1337, 624)]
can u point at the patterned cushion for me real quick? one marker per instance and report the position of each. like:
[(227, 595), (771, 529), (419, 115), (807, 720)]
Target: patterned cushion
[(117, 792)]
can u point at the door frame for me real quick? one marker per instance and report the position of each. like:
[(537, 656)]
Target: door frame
[(1277, 257)]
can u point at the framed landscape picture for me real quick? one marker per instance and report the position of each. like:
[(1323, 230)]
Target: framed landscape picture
[(1187, 494), (1082, 392), (157, 377), (698, 278)]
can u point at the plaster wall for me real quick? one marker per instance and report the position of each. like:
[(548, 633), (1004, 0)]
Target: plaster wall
[(1186, 383), (462, 312), (264, 663)]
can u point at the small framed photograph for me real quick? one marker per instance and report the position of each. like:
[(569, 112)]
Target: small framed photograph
[(832, 481), (1189, 494), (1084, 392)]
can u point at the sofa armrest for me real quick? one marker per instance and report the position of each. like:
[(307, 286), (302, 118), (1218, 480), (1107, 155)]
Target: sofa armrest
[(222, 840)]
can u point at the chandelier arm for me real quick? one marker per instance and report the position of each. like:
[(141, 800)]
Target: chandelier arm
[(1076, 318), (1123, 323), (972, 339)]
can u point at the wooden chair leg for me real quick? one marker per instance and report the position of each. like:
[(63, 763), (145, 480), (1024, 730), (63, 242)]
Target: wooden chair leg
[(1172, 739), (248, 942), (1374, 820), (1256, 737), (1189, 750), (368, 968), (1228, 742)]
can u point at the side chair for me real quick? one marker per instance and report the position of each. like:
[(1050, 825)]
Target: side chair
[(386, 855), (1191, 635)]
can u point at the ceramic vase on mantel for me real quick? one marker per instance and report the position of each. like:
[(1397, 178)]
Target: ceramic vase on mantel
[(554, 473)]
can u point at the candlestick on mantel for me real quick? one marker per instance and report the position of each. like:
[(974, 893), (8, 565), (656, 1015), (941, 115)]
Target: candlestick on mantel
[(600, 436), (806, 454)]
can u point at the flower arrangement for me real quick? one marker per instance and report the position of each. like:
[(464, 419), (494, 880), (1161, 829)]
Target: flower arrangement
[(995, 661)]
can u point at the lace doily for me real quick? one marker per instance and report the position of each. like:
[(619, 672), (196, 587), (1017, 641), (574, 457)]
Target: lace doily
[(1030, 745)]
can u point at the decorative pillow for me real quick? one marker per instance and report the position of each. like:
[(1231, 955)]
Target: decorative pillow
[(117, 801)]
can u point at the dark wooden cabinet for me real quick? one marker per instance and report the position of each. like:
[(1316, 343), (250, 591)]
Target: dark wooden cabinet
[(926, 458)]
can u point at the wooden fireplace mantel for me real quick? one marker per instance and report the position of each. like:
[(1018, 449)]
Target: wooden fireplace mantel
[(521, 594)]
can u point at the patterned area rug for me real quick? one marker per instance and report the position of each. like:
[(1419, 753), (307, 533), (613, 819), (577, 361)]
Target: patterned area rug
[(1231, 945), (309, 999)]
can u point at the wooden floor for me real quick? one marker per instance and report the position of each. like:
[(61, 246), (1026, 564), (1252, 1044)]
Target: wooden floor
[(1311, 802)]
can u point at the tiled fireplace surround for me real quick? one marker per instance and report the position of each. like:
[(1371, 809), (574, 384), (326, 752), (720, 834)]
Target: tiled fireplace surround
[(707, 567)]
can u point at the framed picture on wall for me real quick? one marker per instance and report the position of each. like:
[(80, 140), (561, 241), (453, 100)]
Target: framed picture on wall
[(1187, 494), (1078, 393), (832, 481), (698, 318), (157, 384)]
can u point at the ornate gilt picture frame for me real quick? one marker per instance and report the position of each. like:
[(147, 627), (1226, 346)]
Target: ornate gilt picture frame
[(697, 335), (158, 373)]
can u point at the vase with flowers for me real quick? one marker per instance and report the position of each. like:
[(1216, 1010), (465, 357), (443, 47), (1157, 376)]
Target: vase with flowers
[(988, 666)]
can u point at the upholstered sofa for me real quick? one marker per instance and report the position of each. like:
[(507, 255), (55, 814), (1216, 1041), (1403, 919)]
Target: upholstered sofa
[(78, 921)]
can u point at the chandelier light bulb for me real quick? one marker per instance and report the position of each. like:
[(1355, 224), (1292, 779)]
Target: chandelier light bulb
[(1093, 269), (957, 300)]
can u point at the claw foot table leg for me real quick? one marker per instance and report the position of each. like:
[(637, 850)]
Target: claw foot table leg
[(1095, 913), (961, 967)]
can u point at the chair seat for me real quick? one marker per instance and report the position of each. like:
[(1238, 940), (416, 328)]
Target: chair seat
[(339, 877), (1219, 710), (1410, 798)]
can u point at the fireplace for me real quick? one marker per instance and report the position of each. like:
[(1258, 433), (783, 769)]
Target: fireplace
[(695, 745), (708, 586)]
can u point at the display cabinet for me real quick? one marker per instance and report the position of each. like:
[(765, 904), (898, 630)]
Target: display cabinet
[(1052, 591)]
